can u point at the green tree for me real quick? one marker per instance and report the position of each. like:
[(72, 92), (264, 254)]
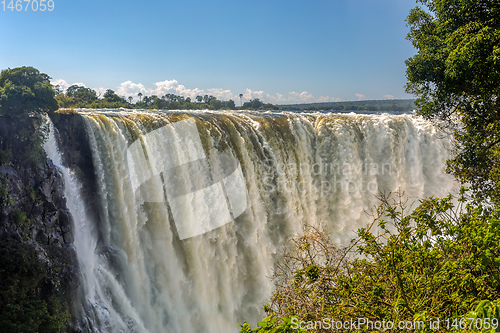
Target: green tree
[(81, 95), (256, 103), (230, 104), (456, 76), (241, 100), (111, 96), (215, 103), (25, 94)]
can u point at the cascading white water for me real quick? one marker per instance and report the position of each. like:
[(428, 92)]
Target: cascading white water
[(187, 243), (96, 305)]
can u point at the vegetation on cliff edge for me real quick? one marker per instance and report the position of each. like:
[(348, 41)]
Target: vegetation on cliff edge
[(30, 290)]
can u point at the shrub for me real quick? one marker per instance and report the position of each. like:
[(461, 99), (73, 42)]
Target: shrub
[(436, 262)]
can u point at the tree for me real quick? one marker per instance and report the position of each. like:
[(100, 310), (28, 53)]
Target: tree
[(111, 96), (241, 100), (199, 99), (81, 95), (215, 103), (25, 95), (57, 89), (24, 91), (130, 99), (230, 104), (140, 96), (456, 76), (256, 103)]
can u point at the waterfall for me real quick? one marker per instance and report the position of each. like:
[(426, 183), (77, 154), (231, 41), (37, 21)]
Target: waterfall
[(195, 207)]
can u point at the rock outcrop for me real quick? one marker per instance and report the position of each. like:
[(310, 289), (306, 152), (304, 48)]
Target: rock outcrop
[(34, 217)]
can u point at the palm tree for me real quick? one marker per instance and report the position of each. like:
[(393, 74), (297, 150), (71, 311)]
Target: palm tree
[(140, 96), (130, 98), (241, 101)]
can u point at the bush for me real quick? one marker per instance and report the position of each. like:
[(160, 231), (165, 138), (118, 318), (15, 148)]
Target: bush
[(437, 262)]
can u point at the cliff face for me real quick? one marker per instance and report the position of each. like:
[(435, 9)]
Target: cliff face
[(77, 156), (38, 266), (40, 289)]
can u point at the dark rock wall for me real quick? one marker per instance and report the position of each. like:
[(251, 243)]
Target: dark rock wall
[(34, 216), (36, 223), (77, 155)]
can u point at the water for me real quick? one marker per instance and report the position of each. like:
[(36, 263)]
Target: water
[(195, 206)]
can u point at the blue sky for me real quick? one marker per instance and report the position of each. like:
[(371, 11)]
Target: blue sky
[(280, 51)]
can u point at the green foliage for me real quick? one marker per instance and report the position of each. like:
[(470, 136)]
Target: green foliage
[(111, 97), (456, 76), (81, 94), (486, 315), (25, 94), (25, 301), (21, 219), (82, 97), (436, 262), (5, 198), (24, 91), (256, 104)]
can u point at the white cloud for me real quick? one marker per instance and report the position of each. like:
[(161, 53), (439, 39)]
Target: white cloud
[(161, 88), (126, 89), (253, 94), (173, 87), (360, 97), (61, 83), (303, 97), (100, 91), (328, 99), (388, 97), (222, 94)]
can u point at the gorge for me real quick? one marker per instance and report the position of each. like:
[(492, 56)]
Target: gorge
[(180, 216)]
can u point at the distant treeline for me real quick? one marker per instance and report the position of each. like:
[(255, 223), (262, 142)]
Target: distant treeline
[(83, 97), (403, 105)]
